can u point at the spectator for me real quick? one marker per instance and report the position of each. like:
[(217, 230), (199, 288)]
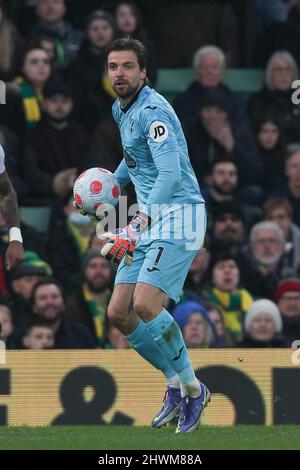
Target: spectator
[(86, 76), (10, 45), (272, 151), (23, 279), (196, 326), (228, 229), (48, 304), (280, 211), (39, 335), (88, 305), (215, 313), (216, 135), (67, 40), (263, 326), (209, 66), (55, 150), (291, 191), (129, 25), (36, 71), (6, 327), (197, 279), (226, 293), (287, 298), (68, 240), (275, 98), (261, 260), (224, 187), (223, 183)]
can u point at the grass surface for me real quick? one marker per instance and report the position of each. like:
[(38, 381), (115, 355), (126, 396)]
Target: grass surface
[(145, 438)]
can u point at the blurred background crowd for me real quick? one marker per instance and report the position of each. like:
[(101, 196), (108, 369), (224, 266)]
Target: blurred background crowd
[(243, 290)]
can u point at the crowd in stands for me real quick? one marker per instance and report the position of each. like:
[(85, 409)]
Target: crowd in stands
[(243, 289)]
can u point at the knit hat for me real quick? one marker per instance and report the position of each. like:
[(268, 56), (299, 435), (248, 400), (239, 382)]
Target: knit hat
[(32, 265), (288, 285), (214, 98), (263, 306), (183, 311), (99, 15), (228, 207)]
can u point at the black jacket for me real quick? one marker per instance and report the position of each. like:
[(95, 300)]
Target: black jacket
[(70, 335)]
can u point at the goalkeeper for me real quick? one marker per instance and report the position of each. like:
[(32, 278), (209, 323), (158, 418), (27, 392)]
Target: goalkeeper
[(153, 257)]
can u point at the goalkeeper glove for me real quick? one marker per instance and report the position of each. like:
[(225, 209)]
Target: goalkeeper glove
[(122, 243)]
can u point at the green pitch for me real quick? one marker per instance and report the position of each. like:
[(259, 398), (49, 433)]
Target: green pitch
[(145, 438)]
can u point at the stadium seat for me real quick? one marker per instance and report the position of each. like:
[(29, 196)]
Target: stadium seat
[(174, 81), (37, 217)]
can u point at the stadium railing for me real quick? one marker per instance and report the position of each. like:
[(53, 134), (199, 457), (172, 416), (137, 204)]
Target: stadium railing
[(244, 81)]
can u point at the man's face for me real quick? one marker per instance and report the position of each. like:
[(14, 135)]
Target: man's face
[(209, 71), (50, 11), (124, 73), (194, 331), (229, 228), (58, 106), (24, 285), (224, 178), (100, 33), (267, 247), (289, 304), (48, 303), (293, 169), (282, 75), (262, 327), (98, 274), (39, 337), (226, 275)]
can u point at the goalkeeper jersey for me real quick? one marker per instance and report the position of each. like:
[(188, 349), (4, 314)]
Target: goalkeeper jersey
[(155, 152)]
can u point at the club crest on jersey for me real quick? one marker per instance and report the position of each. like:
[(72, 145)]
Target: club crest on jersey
[(158, 131), (129, 160)]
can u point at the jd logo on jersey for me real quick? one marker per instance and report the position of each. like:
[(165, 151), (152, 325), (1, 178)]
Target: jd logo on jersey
[(158, 131)]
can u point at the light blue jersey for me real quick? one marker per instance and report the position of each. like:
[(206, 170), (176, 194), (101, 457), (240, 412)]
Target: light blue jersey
[(155, 152), (156, 161)]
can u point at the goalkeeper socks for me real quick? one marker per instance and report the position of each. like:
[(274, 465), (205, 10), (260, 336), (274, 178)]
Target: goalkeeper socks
[(192, 389), (168, 337), (174, 382), (142, 341)]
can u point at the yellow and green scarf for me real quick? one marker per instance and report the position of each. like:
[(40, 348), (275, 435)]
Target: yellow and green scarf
[(234, 306), (98, 313), (31, 102)]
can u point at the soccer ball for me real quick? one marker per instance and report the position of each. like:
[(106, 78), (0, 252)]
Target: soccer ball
[(96, 188)]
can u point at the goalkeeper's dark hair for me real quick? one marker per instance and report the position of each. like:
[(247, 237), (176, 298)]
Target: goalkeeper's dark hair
[(133, 45)]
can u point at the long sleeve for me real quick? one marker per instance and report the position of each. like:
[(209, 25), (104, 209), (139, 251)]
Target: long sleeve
[(122, 174), (163, 146)]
